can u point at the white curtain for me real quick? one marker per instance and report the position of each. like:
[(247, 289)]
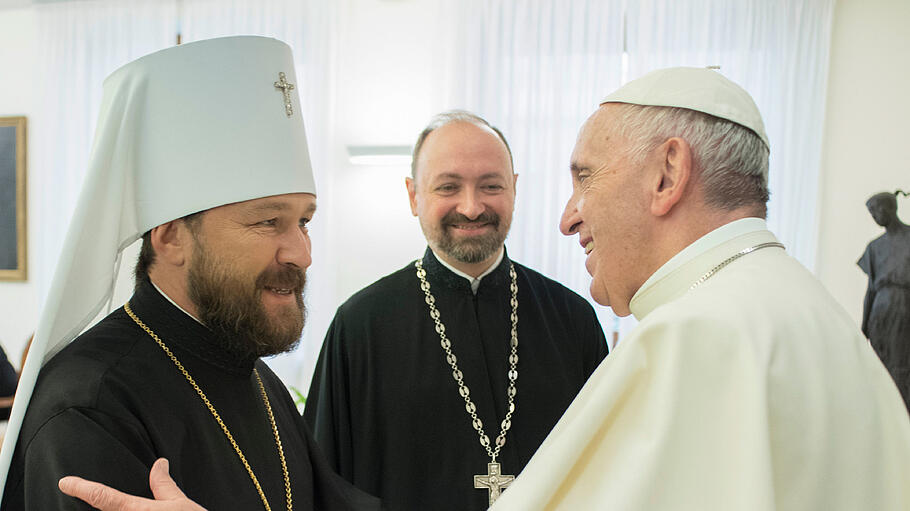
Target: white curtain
[(778, 50), (538, 68), (82, 42)]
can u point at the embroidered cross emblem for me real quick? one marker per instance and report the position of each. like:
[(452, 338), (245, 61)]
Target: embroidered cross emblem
[(286, 89)]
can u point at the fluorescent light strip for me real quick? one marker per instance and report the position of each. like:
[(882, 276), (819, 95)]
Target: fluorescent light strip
[(379, 154)]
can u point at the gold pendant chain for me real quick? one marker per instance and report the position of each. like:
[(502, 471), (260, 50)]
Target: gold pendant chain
[(224, 428), (459, 377)]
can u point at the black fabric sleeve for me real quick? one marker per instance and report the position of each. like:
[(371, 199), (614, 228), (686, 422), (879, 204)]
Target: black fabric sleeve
[(326, 411), (595, 347), (330, 491), (73, 442)]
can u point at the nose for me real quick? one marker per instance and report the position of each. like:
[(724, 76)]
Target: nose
[(571, 219), (295, 249), (469, 204)]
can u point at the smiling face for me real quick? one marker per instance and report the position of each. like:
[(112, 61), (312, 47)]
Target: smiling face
[(608, 210), (248, 269), (464, 194)]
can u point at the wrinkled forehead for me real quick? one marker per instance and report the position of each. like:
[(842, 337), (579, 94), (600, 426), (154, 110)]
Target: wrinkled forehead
[(600, 134)]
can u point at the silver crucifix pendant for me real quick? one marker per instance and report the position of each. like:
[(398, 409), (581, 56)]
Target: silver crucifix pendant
[(493, 481)]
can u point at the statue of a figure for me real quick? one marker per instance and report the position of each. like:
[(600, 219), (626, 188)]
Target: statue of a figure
[(886, 309)]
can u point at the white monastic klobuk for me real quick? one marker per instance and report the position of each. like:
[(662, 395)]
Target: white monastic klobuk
[(181, 130)]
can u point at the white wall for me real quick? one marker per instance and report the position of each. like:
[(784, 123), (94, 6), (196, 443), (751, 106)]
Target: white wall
[(18, 300), (866, 136)]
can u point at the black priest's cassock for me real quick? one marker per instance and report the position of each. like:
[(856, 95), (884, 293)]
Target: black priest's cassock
[(111, 403), (383, 404)]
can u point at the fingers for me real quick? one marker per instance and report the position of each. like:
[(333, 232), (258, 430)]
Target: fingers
[(166, 491), (94, 494), (161, 484), (168, 496)]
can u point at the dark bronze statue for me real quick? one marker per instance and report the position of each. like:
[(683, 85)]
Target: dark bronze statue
[(886, 309)]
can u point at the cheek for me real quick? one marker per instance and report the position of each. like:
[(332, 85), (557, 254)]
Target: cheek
[(503, 206)]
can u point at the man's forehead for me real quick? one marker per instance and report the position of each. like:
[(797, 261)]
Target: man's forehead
[(456, 148), (595, 138), (284, 202)]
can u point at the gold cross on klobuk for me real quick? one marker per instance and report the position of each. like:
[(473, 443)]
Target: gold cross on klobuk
[(286, 89), (493, 481)]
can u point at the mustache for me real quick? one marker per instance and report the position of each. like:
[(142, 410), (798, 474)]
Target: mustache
[(285, 277), (487, 217)]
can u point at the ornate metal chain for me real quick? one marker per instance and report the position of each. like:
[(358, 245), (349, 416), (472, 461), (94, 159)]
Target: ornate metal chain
[(710, 273), (224, 428), (456, 373)]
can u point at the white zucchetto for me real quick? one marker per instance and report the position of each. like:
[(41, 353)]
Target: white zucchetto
[(700, 89)]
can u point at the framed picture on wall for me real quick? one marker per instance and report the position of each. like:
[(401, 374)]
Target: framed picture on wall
[(12, 199)]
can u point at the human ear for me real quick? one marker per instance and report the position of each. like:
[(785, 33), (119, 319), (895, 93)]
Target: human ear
[(673, 175), (412, 193), (171, 242)]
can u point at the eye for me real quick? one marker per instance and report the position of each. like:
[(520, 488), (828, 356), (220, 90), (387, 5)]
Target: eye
[(304, 224), (494, 187), (271, 222), (447, 188)]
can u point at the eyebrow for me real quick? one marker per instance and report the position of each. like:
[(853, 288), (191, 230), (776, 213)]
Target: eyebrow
[(575, 167), (281, 206), (458, 177)]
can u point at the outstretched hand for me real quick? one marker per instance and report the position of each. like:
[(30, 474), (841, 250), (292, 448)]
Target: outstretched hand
[(168, 496)]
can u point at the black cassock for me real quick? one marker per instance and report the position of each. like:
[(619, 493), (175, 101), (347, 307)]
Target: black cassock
[(111, 403), (383, 404)]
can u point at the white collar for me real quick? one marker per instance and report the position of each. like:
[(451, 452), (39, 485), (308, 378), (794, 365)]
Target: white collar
[(475, 282), (168, 298), (649, 295)]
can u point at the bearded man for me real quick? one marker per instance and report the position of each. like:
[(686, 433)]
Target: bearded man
[(437, 383), (200, 150)]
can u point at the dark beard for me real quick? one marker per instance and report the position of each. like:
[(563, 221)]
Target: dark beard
[(474, 250), (231, 306)]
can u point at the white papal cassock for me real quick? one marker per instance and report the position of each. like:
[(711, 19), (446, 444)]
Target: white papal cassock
[(753, 391)]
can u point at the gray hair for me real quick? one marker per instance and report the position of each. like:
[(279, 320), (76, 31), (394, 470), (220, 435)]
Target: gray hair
[(730, 159), (448, 117)]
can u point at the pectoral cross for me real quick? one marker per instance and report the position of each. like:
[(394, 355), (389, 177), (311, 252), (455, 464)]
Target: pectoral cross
[(286, 89), (493, 481)]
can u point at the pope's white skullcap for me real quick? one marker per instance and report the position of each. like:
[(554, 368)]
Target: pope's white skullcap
[(700, 89)]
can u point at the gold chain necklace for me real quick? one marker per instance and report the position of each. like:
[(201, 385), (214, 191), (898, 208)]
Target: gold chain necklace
[(493, 481), (227, 433)]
